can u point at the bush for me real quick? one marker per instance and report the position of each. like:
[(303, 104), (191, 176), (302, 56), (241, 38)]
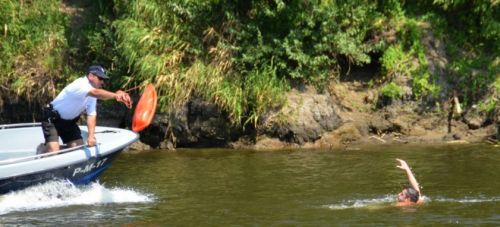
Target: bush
[(392, 90)]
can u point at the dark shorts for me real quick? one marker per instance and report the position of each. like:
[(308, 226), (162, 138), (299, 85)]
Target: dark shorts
[(53, 127)]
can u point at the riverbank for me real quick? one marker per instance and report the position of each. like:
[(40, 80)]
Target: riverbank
[(346, 117), (399, 73), (349, 115)]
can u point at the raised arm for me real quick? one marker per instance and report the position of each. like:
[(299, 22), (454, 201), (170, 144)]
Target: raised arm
[(411, 178)]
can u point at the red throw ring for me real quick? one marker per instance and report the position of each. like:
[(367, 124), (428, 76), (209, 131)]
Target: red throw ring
[(145, 109)]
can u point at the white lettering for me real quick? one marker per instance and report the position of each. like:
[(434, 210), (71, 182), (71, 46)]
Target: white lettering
[(89, 167)]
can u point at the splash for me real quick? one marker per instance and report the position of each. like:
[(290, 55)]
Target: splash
[(389, 200), (363, 203), (64, 193)]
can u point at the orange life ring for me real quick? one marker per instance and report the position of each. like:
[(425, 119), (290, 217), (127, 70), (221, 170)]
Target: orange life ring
[(145, 109)]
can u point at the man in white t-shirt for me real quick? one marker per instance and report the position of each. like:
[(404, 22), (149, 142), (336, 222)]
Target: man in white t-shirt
[(62, 114)]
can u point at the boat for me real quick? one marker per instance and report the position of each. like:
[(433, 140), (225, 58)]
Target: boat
[(21, 166)]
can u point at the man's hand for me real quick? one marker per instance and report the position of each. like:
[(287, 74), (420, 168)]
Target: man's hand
[(124, 98), (91, 141)]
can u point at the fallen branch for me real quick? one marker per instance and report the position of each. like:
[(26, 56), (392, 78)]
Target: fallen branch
[(377, 138), (399, 140), (491, 140)]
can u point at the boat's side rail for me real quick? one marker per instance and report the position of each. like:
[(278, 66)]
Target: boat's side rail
[(20, 125), (29, 158)]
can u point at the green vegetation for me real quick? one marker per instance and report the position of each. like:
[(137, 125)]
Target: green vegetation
[(244, 55), (248, 49), (471, 30), (392, 90), (32, 47)]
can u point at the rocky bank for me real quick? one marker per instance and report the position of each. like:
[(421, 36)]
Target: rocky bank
[(347, 114), (345, 117)]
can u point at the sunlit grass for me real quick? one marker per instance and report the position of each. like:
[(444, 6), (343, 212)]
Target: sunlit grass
[(31, 48)]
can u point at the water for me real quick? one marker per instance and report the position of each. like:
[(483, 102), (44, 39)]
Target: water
[(216, 187)]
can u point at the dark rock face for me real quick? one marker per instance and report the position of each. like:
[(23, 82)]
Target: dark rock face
[(113, 114), (20, 112), (202, 124), (306, 117), (196, 124)]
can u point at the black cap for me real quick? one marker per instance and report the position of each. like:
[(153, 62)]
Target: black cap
[(98, 71)]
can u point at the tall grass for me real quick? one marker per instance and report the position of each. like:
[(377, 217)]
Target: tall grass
[(239, 54), (31, 49), (158, 44)]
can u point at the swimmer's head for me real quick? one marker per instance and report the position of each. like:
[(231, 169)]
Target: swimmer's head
[(408, 193)]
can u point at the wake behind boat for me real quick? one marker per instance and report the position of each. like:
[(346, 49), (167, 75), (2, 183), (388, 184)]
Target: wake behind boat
[(21, 167)]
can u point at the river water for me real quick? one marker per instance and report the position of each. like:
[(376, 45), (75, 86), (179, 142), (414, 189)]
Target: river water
[(219, 187)]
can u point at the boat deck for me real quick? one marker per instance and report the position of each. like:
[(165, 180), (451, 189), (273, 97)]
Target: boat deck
[(21, 140)]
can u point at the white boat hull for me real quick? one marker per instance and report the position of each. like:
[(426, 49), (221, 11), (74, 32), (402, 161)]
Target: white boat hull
[(20, 167)]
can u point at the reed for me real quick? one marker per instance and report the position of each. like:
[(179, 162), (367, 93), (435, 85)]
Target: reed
[(31, 49)]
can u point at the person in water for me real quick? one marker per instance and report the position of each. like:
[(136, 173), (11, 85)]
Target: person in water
[(62, 114), (410, 195)]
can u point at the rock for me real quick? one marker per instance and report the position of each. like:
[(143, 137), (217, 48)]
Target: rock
[(153, 135), (473, 119), (139, 146), (306, 117), (167, 145), (452, 136), (195, 124), (430, 123), (379, 125), (417, 130), (266, 143), (347, 133), (370, 97), (401, 124)]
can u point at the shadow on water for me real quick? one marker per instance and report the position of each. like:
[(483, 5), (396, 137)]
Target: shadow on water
[(217, 187)]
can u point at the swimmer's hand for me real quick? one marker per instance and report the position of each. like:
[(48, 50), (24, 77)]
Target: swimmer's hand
[(402, 164)]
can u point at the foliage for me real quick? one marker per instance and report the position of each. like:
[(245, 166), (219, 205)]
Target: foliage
[(392, 90), (471, 29), (471, 78), (31, 48), (395, 62), (265, 91), (478, 21), (244, 55), (407, 58), (306, 40), (162, 41), (492, 99)]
